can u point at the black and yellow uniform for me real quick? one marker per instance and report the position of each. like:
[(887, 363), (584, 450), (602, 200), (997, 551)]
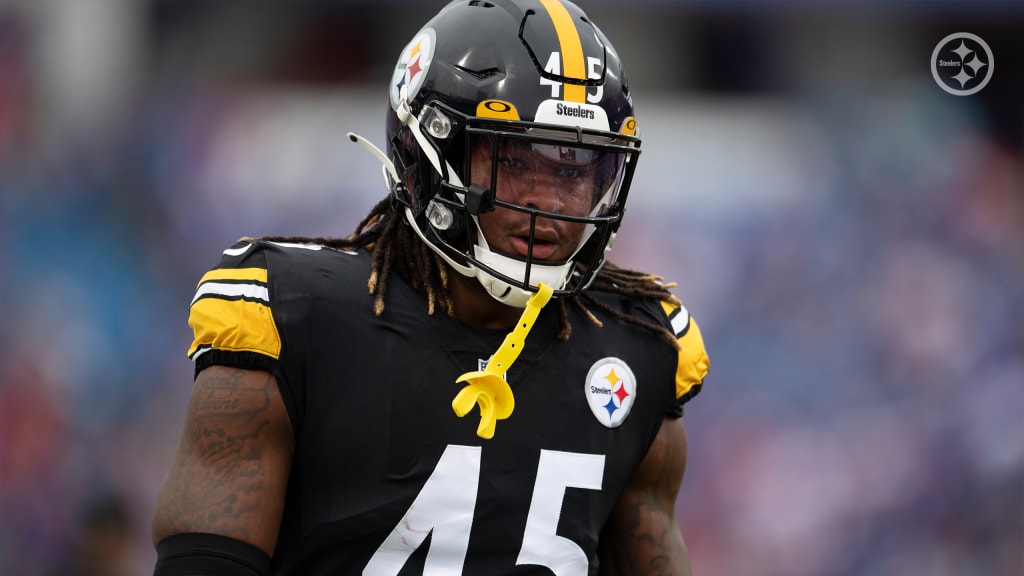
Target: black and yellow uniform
[(386, 478)]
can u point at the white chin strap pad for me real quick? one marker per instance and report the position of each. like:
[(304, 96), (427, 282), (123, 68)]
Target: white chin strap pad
[(554, 276)]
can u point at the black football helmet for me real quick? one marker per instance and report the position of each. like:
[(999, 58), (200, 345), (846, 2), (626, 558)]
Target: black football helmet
[(508, 77)]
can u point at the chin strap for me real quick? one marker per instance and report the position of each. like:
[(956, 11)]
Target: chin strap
[(487, 387)]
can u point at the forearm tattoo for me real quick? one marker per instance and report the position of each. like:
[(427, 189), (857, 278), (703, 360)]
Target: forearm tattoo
[(645, 537)]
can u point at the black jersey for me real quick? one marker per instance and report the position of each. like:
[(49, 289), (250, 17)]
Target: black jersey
[(387, 479)]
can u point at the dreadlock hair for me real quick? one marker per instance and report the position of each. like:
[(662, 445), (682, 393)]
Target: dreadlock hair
[(395, 247)]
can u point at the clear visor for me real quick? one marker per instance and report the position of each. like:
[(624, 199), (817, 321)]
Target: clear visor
[(571, 180)]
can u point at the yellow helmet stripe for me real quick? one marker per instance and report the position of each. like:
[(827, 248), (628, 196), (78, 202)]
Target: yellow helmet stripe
[(573, 63)]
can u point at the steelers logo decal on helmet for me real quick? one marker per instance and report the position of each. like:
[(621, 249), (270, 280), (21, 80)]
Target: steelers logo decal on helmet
[(610, 389), (411, 69)]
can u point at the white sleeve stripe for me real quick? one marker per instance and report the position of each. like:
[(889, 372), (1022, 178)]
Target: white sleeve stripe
[(254, 291), (680, 321), (298, 245), (237, 251)]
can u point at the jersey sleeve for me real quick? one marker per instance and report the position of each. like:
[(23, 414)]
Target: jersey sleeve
[(230, 316), (692, 363)]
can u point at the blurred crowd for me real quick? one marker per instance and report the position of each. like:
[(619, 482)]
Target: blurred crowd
[(854, 255)]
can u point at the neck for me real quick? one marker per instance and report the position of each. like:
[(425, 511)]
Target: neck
[(475, 307)]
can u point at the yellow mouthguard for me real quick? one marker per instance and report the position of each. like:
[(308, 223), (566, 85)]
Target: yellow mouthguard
[(486, 387)]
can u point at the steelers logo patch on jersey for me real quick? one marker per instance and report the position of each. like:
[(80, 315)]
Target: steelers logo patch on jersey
[(610, 390)]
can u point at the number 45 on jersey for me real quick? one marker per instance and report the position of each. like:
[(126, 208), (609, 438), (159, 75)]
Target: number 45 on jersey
[(445, 508)]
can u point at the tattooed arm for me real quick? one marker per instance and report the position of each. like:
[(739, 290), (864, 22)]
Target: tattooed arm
[(642, 535), (231, 469)]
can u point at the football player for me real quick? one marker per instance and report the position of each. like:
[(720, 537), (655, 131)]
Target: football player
[(463, 385)]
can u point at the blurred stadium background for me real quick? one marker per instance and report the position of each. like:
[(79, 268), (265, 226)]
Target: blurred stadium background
[(849, 236)]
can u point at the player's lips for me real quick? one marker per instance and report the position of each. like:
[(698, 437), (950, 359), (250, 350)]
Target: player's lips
[(545, 244), (541, 250)]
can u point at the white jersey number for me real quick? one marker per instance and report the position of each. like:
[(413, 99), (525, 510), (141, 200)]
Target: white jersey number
[(445, 506)]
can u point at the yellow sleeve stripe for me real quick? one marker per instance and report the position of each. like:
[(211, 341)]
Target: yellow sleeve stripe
[(250, 274), (693, 358), (573, 65), (693, 361), (233, 325)]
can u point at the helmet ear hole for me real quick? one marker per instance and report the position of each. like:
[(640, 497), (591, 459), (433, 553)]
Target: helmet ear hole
[(400, 189), (400, 196)]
